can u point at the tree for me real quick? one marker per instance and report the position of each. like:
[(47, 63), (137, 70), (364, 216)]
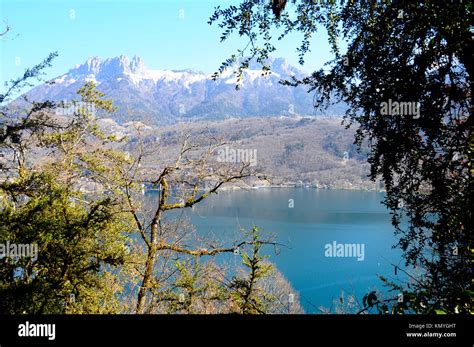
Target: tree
[(79, 238), (260, 288), (245, 294), (183, 181), (406, 78), (197, 288)]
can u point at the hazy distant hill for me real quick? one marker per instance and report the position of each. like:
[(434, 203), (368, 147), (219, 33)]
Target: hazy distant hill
[(289, 151)]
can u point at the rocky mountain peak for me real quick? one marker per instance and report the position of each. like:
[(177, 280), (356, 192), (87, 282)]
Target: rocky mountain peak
[(110, 67)]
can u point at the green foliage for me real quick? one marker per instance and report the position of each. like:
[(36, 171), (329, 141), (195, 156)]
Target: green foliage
[(80, 237), (197, 288), (245, 293), (36, 72), (404, 51), (74, 243)]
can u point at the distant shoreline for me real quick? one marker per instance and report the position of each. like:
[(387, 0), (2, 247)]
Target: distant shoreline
[(230, 188)]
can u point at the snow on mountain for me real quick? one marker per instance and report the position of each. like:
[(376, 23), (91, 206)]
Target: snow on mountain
[(165, 96)]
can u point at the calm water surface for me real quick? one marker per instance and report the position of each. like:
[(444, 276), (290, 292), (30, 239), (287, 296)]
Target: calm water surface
[(318, 217)]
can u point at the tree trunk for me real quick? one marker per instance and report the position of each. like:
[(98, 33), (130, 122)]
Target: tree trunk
[(149, 265), (146, 283)]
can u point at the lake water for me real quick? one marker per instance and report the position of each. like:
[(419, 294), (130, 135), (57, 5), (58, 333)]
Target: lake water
[(317, 218)]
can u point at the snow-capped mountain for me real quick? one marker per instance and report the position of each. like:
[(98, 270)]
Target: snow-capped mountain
[(164, 96)]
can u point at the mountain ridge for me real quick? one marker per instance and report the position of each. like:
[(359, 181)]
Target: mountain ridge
[(168, 96)]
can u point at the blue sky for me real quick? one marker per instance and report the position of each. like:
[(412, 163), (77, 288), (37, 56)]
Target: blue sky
[(167, 34)]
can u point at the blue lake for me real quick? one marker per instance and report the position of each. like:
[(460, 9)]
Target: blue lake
[(305, 220)]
